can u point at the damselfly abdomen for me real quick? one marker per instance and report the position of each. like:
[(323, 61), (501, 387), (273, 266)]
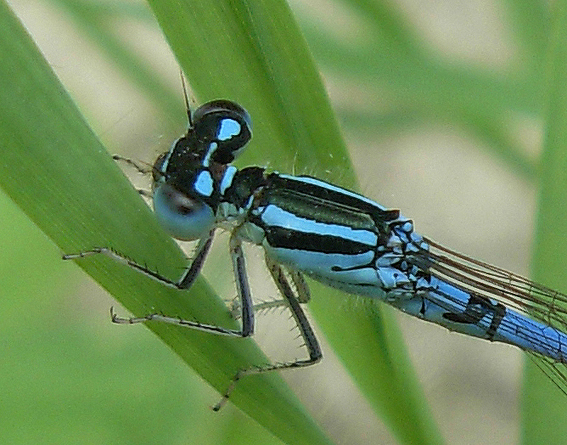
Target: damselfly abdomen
[(310, 227)]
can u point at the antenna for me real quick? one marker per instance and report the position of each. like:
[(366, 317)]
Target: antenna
[(183, 83)]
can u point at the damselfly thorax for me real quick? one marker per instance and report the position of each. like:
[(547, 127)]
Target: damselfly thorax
[(308, 227)]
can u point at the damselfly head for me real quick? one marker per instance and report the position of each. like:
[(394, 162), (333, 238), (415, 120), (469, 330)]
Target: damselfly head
[(186, 179)]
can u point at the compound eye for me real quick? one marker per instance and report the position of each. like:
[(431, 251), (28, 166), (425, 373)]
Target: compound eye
[(182, 216)]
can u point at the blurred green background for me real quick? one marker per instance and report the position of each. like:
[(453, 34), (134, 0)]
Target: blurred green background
[(441, 104)]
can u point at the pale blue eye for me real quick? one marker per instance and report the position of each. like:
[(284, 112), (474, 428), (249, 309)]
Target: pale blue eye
[(180, 215)]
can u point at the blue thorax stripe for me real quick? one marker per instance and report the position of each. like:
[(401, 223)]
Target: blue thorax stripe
[(276, 218)]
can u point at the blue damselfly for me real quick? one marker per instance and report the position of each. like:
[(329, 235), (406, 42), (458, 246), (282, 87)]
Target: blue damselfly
[(310, 227)]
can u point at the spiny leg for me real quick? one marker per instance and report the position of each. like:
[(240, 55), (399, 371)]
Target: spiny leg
[(243, 289), (184, 282), (242, 286), (302, 295), (302, 289), (143, 168), (305, 329), (293, 302)]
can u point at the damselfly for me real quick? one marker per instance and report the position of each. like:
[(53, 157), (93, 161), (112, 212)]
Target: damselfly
[(310, 227)]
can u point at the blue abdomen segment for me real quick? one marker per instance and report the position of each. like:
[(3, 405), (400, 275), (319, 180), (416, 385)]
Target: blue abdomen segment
[(471, 314), (351, 273)]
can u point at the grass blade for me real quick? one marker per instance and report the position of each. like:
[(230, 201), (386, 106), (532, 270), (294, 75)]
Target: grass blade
[(272, 74), (60, 175), (543, 405)]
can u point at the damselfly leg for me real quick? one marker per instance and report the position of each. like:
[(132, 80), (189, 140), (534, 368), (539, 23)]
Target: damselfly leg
[(291, 299)]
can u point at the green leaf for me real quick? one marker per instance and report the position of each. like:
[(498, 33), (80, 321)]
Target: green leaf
[(68, 185), (55, 169), (273, 75), (544, 406)]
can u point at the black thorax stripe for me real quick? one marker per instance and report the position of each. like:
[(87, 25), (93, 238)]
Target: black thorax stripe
[(291, 218)]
